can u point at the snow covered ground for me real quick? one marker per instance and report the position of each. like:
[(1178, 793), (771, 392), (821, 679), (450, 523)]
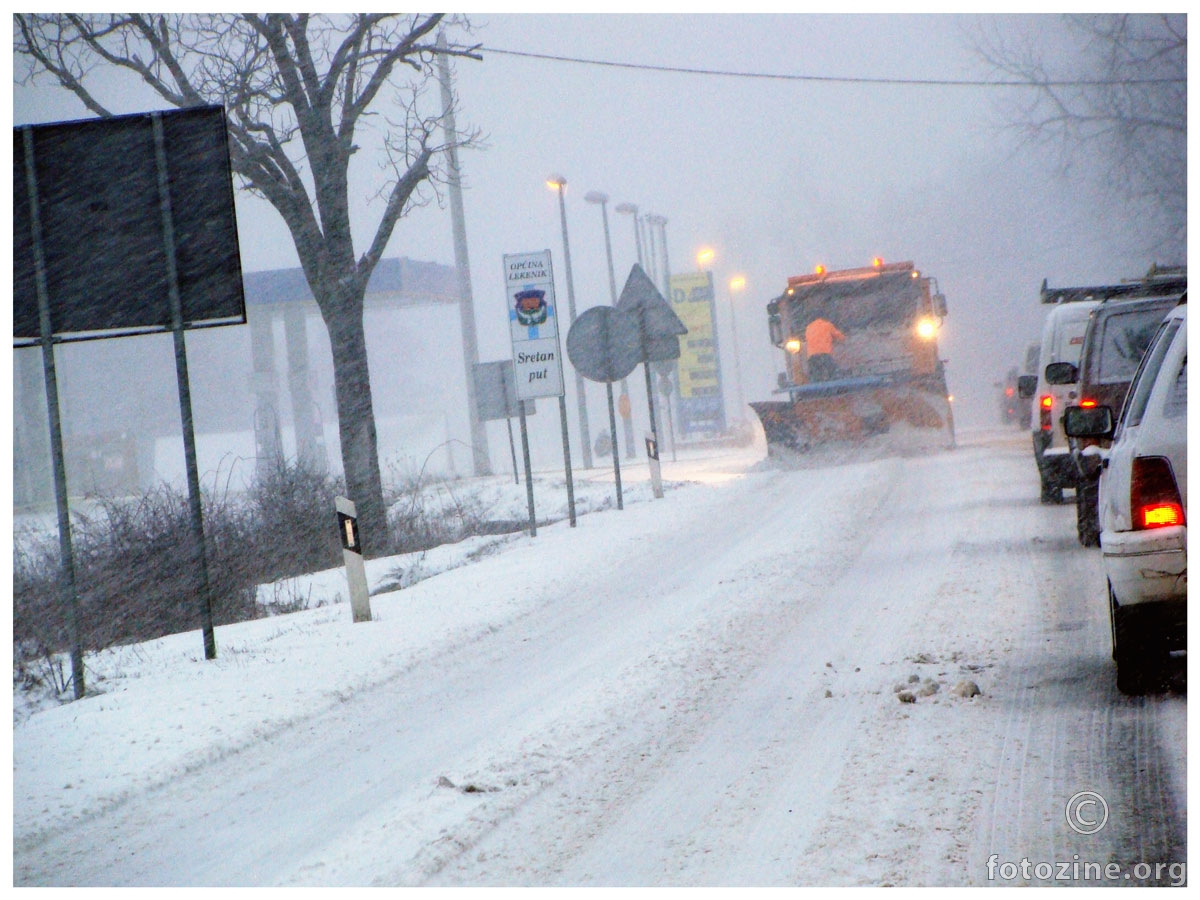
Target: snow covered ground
[(698, 690)]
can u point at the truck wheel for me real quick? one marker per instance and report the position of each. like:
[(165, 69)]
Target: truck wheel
[(1087, 513), (1051, 493)]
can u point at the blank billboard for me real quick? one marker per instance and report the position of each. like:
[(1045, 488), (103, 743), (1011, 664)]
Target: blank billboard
[(102, 230)]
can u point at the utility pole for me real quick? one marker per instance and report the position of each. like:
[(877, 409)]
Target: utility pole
[(482, 463)]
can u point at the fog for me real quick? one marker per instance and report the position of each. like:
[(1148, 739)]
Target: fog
[(775, 176)]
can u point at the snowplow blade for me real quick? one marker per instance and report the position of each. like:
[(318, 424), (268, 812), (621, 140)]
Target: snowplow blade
[(851, 410)]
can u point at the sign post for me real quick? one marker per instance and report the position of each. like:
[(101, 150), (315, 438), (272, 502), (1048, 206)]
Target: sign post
[(659, 329), (604, 345), (356, 572), (537, 356), (125, 225), (496, 398)]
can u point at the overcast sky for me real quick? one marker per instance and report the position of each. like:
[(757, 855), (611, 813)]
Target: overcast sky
[(775, 176)]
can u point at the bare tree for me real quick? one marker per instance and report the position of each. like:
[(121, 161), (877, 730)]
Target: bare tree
[(295, 89), (1117, 94)]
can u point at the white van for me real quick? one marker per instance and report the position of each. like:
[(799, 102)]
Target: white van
[(1062, 341)]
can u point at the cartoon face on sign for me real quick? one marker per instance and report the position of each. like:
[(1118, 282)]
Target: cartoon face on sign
[(530, 305)]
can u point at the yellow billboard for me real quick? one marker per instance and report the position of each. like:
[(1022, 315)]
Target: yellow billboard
[(699, 372)]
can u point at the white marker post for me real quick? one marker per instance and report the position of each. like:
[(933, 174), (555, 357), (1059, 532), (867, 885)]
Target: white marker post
[(356, 573), (655, 466)]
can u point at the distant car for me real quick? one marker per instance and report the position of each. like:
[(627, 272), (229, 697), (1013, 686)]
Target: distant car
[(1118, 333), (1010, 403), (1025, 396), (1062, 341), (1143, 506)]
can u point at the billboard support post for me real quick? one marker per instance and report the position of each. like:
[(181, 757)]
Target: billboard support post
[(67, 591), (185, 394)]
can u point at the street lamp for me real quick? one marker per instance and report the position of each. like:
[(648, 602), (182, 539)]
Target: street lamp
[(602, 199), (737, 283), (626, 412), (651, 265), (559, 184), (631, 209), (661, 222)]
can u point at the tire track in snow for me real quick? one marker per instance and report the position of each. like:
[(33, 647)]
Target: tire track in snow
[(722, 803), (350, 796), (576, 831), (1066, 729)]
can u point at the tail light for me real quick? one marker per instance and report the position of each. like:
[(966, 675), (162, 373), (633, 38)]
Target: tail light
[(1154, 500), (1044, 406)]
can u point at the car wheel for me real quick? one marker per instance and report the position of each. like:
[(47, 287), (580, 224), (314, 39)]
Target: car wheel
[(1087, 513), (1136, 659)]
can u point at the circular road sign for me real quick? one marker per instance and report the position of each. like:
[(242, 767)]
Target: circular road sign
[(604, 344)]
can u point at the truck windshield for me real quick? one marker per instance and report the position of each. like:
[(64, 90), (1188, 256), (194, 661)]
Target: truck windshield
[(869, 304)]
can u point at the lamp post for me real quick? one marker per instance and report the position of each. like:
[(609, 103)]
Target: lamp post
[(651, 265), (631, 209), (626, 412), (737, 283), (653, 219), (559, 184), (661, 222), (602, 199)]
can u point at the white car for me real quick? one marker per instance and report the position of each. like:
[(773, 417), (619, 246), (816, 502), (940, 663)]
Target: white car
[(1143, 506), (1062, 341)]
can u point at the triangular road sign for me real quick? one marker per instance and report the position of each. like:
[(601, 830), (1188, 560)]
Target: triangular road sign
[(641, 296)]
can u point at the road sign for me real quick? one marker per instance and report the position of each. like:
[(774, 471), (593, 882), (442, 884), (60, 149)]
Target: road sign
[(533, 324), (496, 391), (604, 344), (660, 326)]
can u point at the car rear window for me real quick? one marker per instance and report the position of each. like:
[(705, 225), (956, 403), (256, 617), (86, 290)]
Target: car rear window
[(1139, 391), (1123, 341), (1070, 340)]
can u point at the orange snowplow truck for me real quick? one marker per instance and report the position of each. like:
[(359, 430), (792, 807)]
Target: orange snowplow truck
[(886, 369)]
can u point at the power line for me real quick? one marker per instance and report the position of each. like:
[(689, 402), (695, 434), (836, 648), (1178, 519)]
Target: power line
[(832, 79)]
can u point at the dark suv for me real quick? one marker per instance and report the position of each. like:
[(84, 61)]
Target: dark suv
[(1118, 332)]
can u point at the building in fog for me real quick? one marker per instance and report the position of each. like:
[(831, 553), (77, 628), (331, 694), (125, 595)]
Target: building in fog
[(258, 390)]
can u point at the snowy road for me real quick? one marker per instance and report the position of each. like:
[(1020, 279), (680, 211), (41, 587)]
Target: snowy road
[(702, 691)]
